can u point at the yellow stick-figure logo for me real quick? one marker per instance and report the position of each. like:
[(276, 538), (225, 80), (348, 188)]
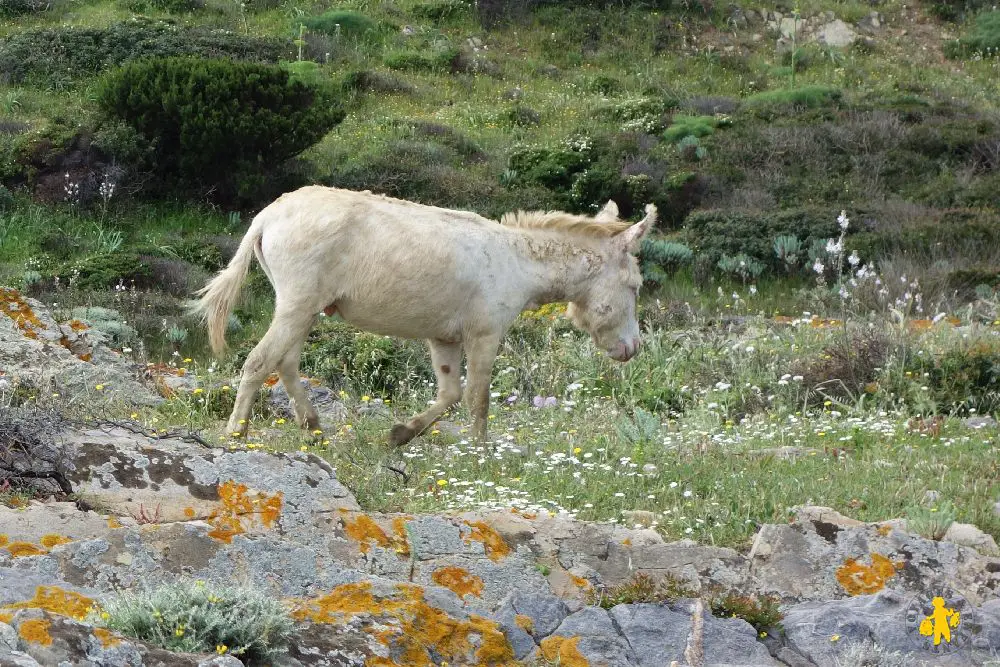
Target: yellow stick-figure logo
[(940, 622)]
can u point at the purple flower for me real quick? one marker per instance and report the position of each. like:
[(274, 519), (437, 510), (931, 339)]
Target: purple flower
[(549, 402)]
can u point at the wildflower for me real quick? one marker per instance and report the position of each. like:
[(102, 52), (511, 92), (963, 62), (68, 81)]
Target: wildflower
[(365, 399), (818, 267), (318, 432), (442, 482), (187, 360), (134, 415), (854, 260), (843, 221), (577, 450), (833, 247), (279, 421), (835, 638), (226, 387), (221, 649), (753, 289), (179, 632), (99, 387), (303, 448), (197, 391), (435, 431), (105, 615)]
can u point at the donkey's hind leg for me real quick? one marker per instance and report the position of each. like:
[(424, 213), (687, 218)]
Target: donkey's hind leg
[(288, 328), (447, 360), (288, 371)]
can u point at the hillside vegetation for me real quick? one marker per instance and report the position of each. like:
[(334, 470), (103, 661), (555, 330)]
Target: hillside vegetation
[(821, 299)]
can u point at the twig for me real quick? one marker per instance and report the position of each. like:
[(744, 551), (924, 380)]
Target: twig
[(399, 471)]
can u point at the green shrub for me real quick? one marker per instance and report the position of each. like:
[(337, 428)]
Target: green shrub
[(104, 270), (370, 81), (551, 167), (641, 588), (343, 23), (244, 120), (72, 53), (962, 377), (108, 322), (692, 126), (9, 8), (660, 259), (982, 40), (773, 102), (441, 10), (433, 60), (931, 523), (340, 355), (763, 612), (196, 617), (720, 233), (955, 10), (169, 6)]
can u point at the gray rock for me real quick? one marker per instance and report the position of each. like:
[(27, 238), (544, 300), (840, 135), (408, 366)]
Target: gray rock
[(17, 659), (836, 33), (824, 631), (8, 638), (788, 27), (330, 409), (545, 610), (979, 422), (31, 523), (434, 536), (658, 634), (600, 642), (39, 352)]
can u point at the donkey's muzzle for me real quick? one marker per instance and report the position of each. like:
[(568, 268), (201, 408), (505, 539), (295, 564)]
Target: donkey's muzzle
[(625, 349)]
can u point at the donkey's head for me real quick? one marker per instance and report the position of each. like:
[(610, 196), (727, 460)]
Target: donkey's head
[(607, 310)]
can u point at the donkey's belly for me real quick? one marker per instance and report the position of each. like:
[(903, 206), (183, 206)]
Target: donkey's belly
[(403, 321)]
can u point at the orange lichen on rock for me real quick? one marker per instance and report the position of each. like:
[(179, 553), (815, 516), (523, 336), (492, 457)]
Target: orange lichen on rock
[(106, 637), (113, 522), (189, 512), (579, 581), (411, 629), (495, 546), (78, 325), (18, 549), (399, 538), (366, 532), (563, 651), (13, 305), (57, 601), (52, 540), (525, 623), (4, 540), (237, 507), (859, 579), (458, 580), (36, 631)]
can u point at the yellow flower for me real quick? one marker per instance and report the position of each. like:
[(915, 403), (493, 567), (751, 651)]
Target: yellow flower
[(492, 417), (280, 420), (105, 615), (435, 431), (577, 450), (54, 395), (366, 398), (197, 391), (226, 387), (835, 638), (99, 387), (762, 634), (303, 448), (318, 432), (236, 434), (134, 415), (243, 421), (442, 482), (221, 648), (179, 632), (187, 360)]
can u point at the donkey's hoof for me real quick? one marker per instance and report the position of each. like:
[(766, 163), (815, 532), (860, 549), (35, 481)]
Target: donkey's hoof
[(401, 434)]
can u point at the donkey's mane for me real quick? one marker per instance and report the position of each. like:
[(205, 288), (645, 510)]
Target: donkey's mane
[(567, 222)]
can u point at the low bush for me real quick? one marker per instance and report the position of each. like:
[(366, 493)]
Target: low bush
[(775, 102), (983, 39), (956, 10), (370, 81), (719, 233), (434, 60), (72, 53), (344, 24), (682, 127), (660, 259), (104, 270), (441, 10), (245, 121), (10, 8), (340, 356), (195, 617)]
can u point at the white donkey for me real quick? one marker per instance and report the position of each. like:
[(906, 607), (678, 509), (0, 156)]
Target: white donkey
[(455, 278)]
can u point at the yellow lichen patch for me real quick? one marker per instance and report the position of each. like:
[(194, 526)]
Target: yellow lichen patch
[(884, 529), (86, 356), (113, 522), (13, 305), (494, 544), (6, 617), (189, 512), (36, 631), (57, 601), (106, 638), (458, 580), (18, 549), (78, 325), (579, 581), (237, 507), (366, 532), (4, 540), (52, 540), (859, 579), (411, 629), (563, 651), (525, 623)]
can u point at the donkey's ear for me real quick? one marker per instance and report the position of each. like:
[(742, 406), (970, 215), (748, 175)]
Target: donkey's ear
[(631, 238), (609, 213)]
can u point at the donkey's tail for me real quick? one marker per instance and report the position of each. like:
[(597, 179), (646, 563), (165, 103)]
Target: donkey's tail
[(217, 298)]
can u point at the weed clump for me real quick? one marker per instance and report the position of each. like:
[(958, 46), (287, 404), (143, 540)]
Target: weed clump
[(983, 39), (192, 616), (640, 588), (761, 611)]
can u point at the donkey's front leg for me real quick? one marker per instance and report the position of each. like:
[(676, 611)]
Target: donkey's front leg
[(447, 359), (480, 353)]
